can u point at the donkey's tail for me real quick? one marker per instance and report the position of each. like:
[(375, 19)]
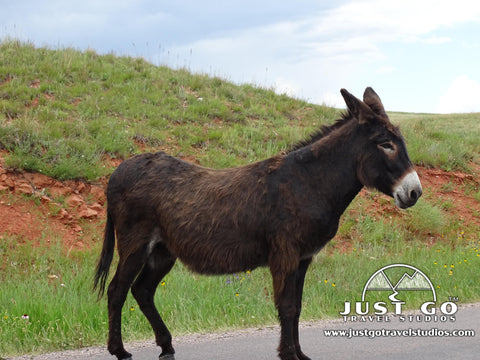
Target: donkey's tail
[(106, 257)]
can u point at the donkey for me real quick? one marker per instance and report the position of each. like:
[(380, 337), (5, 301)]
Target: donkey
[(278, 212)]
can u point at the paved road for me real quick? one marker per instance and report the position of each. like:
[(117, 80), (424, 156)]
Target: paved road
[(261, 344)]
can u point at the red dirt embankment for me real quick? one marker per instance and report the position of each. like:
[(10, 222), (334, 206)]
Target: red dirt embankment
[(35, 207)]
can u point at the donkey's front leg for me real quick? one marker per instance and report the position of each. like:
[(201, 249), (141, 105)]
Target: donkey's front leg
[(300, 279), (285, 301), (288, 300)]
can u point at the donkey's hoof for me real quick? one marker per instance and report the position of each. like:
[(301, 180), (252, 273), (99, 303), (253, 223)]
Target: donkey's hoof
[(166, 357), (302, 356), (125, 356)]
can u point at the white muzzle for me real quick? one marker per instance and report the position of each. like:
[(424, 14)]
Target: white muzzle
[(407, 191)]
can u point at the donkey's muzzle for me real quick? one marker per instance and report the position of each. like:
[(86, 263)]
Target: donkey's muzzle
[(408, 190)]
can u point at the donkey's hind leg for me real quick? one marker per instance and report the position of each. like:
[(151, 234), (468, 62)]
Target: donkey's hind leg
[(127, 270), (159, 263)]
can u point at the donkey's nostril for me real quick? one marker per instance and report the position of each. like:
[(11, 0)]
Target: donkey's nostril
[(407, 191), (413, 195)]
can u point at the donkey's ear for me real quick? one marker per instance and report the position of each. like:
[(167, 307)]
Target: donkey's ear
[(357, 107), (371, 98)]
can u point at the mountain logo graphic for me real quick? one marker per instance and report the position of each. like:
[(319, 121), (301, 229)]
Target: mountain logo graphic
[(398, 281), (412, 279)]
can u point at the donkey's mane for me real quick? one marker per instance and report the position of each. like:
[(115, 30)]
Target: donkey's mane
[(324, 131)]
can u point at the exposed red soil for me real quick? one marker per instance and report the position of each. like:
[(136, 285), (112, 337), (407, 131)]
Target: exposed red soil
[(36, 208), (451, 186)]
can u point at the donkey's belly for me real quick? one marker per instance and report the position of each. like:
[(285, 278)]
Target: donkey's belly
[(223, 257)]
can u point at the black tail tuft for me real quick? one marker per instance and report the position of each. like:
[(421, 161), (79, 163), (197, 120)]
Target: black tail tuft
[(106, 257)]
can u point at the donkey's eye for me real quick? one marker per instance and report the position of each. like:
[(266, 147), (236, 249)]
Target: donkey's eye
[(387, 147)]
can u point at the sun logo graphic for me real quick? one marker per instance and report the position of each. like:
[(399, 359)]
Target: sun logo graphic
[(390, 288)]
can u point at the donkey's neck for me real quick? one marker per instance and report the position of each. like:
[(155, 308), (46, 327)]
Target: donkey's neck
[(329, 168)]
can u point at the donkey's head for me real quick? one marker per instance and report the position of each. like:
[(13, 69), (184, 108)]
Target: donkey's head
[(383, 161)]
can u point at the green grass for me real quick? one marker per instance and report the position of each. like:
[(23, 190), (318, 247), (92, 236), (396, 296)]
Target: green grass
[(62, 112), (446, 141)]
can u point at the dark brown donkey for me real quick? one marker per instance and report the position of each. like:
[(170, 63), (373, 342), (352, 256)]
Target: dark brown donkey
[(278, 213)]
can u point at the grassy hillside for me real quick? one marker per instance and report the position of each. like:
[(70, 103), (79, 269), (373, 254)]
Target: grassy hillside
[(65, 113), (447, 141), (75, 115)]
